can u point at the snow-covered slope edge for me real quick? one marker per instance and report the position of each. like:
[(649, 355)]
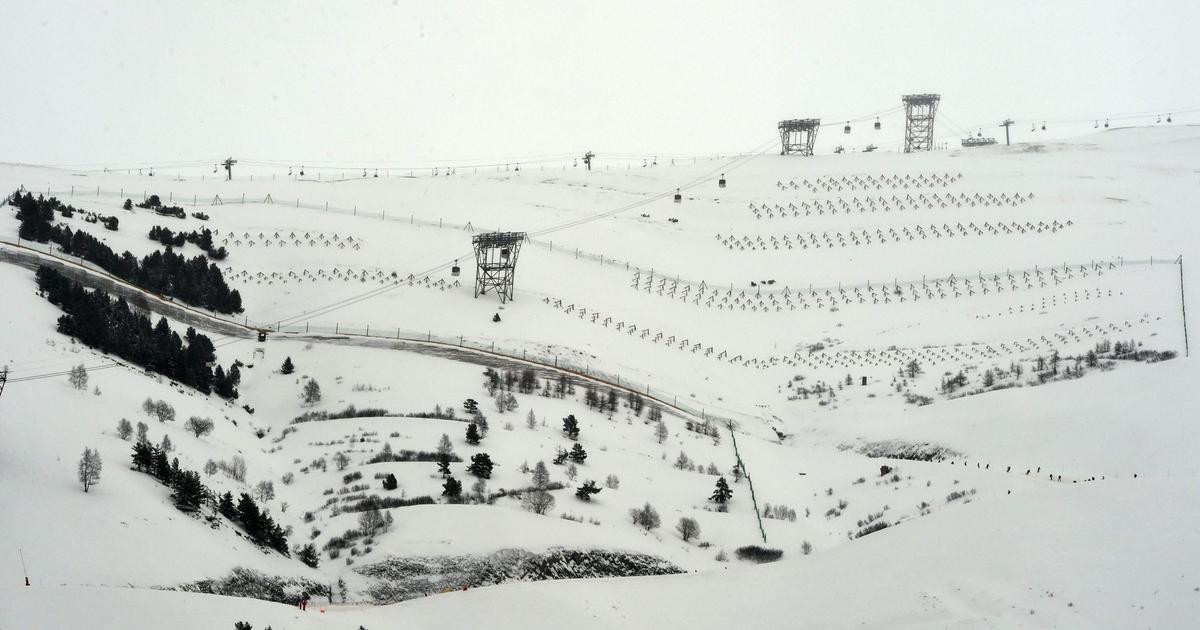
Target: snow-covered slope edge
[(1078, 557)]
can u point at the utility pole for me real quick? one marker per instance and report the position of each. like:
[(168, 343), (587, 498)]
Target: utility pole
[(3, 378), (229, 162), (1008, 122)]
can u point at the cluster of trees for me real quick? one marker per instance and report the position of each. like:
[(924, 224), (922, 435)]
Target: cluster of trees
[(257, 523), (154, 203), (188, 492), (202, 239), (98, 321), (602, 403), (194, 281), (576, 455), (526, 382)]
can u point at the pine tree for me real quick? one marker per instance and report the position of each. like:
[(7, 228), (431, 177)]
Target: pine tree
[(249, 516), (481, 466), (660, 432), (444, 465), (89, 468), (189, 492), (571, 427), (531, 420), (585, 492), (722, 494), (287, 368), (226, 508), (577, 454), (143, 457), (308, 555), (473, 434), (124, 429), (470, 405), (452, 488), (390, 483)]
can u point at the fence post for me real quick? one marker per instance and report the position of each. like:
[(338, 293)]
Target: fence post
[(335, 328), (1183, 303)]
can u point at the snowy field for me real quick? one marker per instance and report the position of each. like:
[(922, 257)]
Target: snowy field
[(792, 302)]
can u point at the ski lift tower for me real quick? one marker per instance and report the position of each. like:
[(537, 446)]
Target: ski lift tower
[(798, 135), (496, 262), (918, 121), (228, 163)]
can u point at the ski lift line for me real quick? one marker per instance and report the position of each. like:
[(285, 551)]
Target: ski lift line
[(407, 166), (731, 165), (1129, 116), (133, 164), (104, 366), (1094, 119), (958, 129), (406, 163)]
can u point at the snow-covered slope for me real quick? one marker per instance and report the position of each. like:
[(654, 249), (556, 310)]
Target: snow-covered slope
[(803, 333), (1078, 557)]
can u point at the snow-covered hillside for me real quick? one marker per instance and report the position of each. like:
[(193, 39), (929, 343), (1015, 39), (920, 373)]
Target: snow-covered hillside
[(818, 312)]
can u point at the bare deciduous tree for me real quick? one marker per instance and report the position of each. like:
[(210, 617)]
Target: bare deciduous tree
[(688, 528), (89, 468), (538, 501)]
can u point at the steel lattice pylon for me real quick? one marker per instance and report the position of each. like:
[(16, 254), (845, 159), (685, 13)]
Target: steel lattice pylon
[(496, 262), (798, 135), (918, 121)]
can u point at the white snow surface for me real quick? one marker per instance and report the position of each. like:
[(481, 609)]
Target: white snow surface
[(1077, 541)]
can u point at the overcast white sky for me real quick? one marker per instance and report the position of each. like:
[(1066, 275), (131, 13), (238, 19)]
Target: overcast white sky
[(93, 81)]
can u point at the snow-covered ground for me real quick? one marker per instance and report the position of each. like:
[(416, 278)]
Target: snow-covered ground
[(1053, 529)]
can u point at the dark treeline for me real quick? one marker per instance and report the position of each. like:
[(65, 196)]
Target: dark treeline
[(202, 239), (111, 326), (195, 281), (190, 493)]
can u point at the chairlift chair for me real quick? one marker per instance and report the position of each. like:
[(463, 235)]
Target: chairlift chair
[(721, 182), (455, 271), (678, 197), (877, 125), (846, 129)]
